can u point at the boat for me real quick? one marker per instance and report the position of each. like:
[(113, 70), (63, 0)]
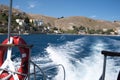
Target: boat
[(8, 71)]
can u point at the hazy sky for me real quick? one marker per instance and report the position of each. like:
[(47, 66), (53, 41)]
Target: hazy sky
[(96, 9)]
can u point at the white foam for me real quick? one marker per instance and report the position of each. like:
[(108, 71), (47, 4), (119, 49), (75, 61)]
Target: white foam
[(88, 68)]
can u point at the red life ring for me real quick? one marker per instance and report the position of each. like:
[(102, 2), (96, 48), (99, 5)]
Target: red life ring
[(24, 57)]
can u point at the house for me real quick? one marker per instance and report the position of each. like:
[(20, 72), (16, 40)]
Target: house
[(117, 31), (37, 22), (20, 22)]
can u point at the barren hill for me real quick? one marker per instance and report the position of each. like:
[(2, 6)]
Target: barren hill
[(69, 22), (5, 8), (47, 20)]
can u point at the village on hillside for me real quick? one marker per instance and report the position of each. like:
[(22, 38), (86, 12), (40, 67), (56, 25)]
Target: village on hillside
[(23, 23)]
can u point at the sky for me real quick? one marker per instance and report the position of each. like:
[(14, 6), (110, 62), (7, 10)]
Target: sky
[(96, 9)]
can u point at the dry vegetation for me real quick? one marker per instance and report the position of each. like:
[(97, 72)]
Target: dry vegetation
[(67, 23)]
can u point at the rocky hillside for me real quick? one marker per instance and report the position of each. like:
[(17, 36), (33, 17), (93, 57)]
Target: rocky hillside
[(69, 22), (64, 23), (46, 19), (5, 9)]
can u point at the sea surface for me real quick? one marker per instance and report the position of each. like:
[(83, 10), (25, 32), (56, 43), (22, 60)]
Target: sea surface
[(79, 55)]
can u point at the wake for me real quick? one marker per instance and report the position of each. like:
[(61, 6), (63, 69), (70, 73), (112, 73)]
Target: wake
[(78, 67)]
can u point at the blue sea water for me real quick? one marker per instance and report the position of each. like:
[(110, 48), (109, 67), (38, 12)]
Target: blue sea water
[(79, 54)]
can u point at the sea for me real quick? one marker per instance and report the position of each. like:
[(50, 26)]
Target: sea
[(70, 57)]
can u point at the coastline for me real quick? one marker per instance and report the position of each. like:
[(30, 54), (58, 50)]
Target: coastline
[(15, 34), (59, 34), (85, 34)]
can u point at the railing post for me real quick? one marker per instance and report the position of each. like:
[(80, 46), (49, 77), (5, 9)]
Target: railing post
[(104, 67), (107, 53), (34, 73), (29, 63), (44, 76)]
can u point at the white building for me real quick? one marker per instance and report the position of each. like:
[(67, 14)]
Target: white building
[(117, 30), (37, 22), (20, 22)]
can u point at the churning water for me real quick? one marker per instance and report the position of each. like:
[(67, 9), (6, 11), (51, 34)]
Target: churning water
[(80, 55)]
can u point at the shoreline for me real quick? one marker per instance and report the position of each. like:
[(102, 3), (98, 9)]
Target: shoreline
[(59, 34)]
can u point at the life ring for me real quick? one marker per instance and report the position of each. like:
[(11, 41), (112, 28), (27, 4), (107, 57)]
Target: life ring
[(25, 52)]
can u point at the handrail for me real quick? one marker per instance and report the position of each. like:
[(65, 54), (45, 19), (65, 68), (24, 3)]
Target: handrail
[(63, 70), (107, 53), (44, 76), (61, 66)]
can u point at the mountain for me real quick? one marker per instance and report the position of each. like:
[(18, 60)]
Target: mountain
[(4, 8), (64, 23), (46, 19), (69, 22)]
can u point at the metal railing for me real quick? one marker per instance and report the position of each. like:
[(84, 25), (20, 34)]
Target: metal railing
[(60, 65), (35, 65), (107, 53), (43, 73)]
